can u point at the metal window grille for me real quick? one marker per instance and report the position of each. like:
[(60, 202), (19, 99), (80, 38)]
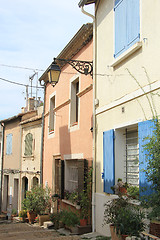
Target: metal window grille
[(132, 158)]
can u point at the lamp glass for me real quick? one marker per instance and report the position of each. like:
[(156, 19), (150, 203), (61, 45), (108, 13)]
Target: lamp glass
[(53, 76)]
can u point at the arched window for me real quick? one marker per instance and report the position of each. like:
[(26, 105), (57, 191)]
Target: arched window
[(28, 144)]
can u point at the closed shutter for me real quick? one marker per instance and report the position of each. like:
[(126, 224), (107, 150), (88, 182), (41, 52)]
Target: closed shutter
[(9, 144), (28, 144), (144, 129), (108, 160), (120, 26), (133, 22)]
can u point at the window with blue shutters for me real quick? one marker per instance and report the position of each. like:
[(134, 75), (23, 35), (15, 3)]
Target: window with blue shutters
[(127, 25), (108, 161), (28, 144), (9, 144)]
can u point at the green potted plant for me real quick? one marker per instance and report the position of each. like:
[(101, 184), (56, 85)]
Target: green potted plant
[(23, 215), (70, 220), (125, 218), (37, 201), (152, 172), (85, 199)]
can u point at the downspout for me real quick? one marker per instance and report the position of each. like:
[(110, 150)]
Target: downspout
[(20, 170), (42, 138), (1, 172), (94, 122)]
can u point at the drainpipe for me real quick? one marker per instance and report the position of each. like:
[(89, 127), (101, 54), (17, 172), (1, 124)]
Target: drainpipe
[(42, 138), (94, 121), (1, 167)]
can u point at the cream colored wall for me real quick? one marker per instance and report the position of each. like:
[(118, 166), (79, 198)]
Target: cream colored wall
[(116, 88), (31, 164)]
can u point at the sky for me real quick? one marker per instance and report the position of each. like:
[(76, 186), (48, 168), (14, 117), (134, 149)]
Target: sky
[(32, 33)]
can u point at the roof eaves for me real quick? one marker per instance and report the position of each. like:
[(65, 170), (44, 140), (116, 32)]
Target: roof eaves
[(85, 2)]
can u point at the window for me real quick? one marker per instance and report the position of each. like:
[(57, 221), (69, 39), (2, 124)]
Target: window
[(74, 102), (28, 144), (52, 114), (74, 175), (124, 156), (9, 144), (127, 25), (131, 163)]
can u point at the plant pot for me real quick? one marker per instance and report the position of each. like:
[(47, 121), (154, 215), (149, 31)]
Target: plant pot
[(43, 218), (155, 228), (123, 190), (114, 235), (83, 222), (31, 216)]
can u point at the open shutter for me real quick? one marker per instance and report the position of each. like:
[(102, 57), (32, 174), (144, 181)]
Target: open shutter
[(9, 144), (108, 160), (144, 129), (120, 26), (133, 22)]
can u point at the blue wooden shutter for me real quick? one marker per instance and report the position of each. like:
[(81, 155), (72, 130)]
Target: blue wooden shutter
[(145, 129), (9, 144), (133, 22), (120, 26), (108, 160)]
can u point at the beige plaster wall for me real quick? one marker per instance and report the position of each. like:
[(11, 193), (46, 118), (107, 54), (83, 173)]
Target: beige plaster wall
[(117, 87)]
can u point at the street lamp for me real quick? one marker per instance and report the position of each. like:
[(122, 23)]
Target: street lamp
[(83, 67)]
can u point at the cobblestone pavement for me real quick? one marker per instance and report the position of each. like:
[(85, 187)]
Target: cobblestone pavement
[(24, 231)]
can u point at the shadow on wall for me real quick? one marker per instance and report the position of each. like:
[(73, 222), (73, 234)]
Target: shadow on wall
[(64, 140)]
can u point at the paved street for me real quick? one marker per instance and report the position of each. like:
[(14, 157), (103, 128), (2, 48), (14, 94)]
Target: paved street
[(24, 231)]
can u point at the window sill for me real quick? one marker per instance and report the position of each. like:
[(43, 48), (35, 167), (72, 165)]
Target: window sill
[(74, 124), (50, 132), (31, 157), (126, 54), (71, 204)]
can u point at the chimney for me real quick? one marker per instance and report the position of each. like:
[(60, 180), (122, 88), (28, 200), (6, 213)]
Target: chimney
[(31, 102)]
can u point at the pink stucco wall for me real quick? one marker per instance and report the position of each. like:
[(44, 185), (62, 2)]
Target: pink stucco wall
[(62, 141)]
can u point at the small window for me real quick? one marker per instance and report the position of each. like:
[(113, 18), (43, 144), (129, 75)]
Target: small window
[(28, 144), (74, 175), (9, 144), (74, 102), (52, 115), (127, 25)]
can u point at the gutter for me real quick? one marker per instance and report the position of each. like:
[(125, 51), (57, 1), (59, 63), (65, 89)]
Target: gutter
[(1, 167)]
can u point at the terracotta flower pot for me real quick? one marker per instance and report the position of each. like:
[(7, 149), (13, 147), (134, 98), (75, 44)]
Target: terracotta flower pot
[(83, 222), (31, 216)]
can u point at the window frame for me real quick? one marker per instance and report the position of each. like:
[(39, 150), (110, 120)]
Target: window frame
[(30, 143), (52, 118), (74, 110)]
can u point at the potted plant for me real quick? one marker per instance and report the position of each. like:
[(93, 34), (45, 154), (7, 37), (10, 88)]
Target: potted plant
[(125, 218), (85, 208), (23, 215), (152, 172), (37, 201), (70, 220)]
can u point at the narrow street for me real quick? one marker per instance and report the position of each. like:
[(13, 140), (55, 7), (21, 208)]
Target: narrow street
[(24, 231)]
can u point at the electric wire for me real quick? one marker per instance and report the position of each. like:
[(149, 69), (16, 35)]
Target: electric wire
[(16, 83)]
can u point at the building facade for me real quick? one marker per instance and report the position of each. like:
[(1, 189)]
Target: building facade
[(126, 83), (68, 120)]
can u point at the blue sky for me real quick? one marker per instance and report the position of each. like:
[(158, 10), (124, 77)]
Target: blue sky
[(32, 33)]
